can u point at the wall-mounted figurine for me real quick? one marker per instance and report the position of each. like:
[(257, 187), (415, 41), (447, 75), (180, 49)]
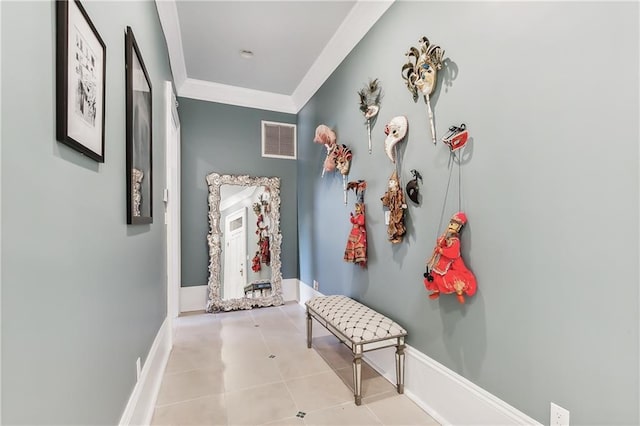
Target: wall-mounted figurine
[(413, 191), (421, 73), (395, 130), (446, 271), (356, 250), (370, 104), (327, 137), (393, 199)]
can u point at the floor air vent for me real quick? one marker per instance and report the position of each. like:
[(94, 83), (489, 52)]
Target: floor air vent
[(278, 140)]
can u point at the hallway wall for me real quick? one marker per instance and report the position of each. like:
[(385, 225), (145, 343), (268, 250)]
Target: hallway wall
[(549, 92), (83, 294), (227, 139)]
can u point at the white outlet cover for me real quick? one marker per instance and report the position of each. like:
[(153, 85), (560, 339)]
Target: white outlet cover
[(559, 416)]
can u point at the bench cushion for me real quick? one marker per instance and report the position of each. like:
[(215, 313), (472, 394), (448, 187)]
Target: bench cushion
[(356, 321)]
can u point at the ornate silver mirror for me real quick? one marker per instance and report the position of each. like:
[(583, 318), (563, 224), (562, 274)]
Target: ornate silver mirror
[(244, 242)]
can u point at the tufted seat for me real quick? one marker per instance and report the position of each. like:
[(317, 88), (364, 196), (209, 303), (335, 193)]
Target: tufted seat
[(361, 329)]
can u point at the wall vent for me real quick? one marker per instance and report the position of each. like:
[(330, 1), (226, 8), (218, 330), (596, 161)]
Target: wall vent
[(278, 140)]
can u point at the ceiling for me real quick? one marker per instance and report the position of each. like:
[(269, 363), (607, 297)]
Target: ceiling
[(296, 45)]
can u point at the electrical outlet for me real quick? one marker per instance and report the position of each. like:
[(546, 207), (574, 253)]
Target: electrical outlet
[(315, 285), (138, 369), (559, 416)]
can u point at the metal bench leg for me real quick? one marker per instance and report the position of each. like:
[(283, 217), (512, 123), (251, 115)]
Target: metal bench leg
[(357, 378), (400, 367), (309, 328)]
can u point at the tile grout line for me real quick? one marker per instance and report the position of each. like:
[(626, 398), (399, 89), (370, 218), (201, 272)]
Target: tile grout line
[(284, 382), (270, 345)]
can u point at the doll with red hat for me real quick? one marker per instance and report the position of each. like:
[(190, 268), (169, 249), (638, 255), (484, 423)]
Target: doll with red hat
[(356, 250), (446, 271)]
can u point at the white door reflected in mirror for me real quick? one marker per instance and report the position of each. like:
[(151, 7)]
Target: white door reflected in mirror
[(234, 253)]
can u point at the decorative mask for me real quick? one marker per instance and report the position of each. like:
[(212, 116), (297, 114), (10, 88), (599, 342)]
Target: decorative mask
[(413, 191), (457, 137), (370, 104), (327, 137), (342, 156), (421, 73), (395, 130), (329, 164)]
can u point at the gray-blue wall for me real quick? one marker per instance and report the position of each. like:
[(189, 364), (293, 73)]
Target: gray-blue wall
[(83, 294), (549, 93), (227, 139)]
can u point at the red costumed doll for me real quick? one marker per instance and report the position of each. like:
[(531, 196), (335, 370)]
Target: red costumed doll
[(356, 250), (446, 272)]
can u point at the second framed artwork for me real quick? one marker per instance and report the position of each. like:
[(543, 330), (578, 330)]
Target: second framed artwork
[(139, 135)]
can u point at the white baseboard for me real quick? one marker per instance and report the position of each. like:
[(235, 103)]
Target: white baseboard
[(290, 289), (306, 292), (139, 409), (194, 298), (447, 396)]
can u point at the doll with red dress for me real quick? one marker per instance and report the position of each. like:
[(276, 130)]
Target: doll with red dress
[(446, 271), (356, 250)]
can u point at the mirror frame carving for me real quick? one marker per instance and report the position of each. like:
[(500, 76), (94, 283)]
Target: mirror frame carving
[(214, 239)]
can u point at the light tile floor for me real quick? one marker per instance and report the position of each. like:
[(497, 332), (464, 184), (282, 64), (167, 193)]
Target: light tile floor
[(253, 368)]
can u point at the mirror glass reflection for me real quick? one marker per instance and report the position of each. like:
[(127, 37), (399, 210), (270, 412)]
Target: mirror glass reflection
[(244, 242)]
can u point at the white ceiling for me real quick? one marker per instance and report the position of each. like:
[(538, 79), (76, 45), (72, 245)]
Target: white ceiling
[(296, 47)]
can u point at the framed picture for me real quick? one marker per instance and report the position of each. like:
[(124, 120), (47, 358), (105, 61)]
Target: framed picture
[(139, 137), (80, 81)]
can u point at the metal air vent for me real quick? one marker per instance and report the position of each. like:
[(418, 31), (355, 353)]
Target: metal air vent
[(278, 140)]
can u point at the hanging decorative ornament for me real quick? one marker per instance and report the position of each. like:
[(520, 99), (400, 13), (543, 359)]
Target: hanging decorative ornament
[(456, 138), (327, 137), (342, 157), (446, 272), (393, 199), (413, 191), (395, 130), (421, 73), (370, 104), (356, 250)]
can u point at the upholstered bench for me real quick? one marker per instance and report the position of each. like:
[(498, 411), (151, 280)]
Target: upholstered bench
[(258, 285), (360, 328)]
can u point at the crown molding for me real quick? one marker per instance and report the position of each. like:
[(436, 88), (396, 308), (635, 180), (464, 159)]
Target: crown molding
[(355, 26), (168, 14), (234, 95), (363, 15)]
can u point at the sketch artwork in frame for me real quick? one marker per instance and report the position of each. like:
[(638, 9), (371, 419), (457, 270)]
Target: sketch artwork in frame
[(80, 81), (139, 125)]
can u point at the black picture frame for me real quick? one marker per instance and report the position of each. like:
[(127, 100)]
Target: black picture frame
[(81, 66), (139, 135)]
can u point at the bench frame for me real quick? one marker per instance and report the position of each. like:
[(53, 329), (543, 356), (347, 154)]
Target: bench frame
[(359, 348)]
